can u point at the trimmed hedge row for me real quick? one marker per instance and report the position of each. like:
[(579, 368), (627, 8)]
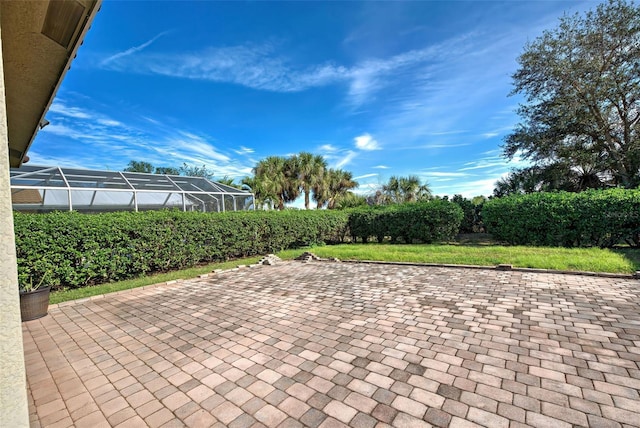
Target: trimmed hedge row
[(426, 222), (600, 218), (472, 220), (74, 250)]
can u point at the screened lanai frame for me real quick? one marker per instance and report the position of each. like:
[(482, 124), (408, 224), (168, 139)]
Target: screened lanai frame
[(45, 188)]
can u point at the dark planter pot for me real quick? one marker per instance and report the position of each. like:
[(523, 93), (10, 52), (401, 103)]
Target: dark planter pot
[(34, 304)]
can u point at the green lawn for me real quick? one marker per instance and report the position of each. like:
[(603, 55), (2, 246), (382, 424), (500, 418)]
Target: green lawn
[(481, 253), (577, 259)]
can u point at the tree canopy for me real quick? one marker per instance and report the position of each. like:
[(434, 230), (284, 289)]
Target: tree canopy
[(168, 170), (278, 180), (185, 169), (399, 190), (139, 166), (196, 171), (581, 88)]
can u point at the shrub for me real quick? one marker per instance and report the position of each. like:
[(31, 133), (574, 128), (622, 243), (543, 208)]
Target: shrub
[(76, 250), (471, 221), (600, 218), (80, 249), (426, 222)]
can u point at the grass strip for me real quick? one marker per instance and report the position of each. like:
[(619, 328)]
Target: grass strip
[(571, 259), (96, 290), (624, 260)]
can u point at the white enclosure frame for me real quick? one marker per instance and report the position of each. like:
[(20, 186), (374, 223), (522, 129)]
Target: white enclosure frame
[(120, 191)]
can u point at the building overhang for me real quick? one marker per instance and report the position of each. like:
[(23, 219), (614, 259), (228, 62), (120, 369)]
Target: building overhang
[(39, 41)]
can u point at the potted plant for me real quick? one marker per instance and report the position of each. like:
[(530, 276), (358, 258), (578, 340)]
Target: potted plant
[(34, 298)]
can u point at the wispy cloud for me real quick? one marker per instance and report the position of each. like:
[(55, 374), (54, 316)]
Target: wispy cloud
[(442, 97), (447, 133), (256, 66), (62, 109), (483, 186), (194, 149), (360, 177), (445, 174), (345, 160), (131, 51), (366, 142), (491, 161), (438, 146), (113, 142), (262, 66), (327, 148), (499, 131), (109, 122), (452, 98), (44, 159), (244, 150)]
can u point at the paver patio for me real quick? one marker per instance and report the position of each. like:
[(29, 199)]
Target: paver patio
[(342, 344)]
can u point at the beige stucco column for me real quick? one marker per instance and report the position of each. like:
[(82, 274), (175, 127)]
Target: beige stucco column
[(14, 410)]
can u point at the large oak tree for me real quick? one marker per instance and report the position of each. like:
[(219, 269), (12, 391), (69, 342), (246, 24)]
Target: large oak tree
[(581, 86)]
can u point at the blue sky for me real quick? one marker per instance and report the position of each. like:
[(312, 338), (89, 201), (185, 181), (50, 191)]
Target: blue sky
[(378, 88)]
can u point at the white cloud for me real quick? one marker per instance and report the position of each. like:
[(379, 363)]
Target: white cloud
[(254, 66), (450, 100), (447, 133), (346, 160), (108, 122), (131, 51), (501, 130), (437, 146), (484, 164), (114, 142), (469, 189), (327, 148), (151, 120), (493, 161), (192, 150), (62, 109), (490, 134), (381, 167), (63, 130), (37, 158), (360, 177), (445, 174), (263, 67), (244, 150), (366, 142)]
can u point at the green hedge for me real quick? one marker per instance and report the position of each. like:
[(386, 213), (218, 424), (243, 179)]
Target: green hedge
[(600, 218), (426, 222), (472, 220), (74, 250)]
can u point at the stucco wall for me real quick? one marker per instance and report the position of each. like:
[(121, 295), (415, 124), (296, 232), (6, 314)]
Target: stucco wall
[(13, 387)]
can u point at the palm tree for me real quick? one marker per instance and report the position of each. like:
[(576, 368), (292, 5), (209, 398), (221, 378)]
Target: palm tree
[(335, 183), (321, 190), (409, 187), (226, 180), (392, 190), (275, 176), (349, 200), (404, 189), (310, 170), (262, 198)]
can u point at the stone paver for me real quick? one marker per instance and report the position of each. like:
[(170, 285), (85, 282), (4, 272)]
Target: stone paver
[(342, 344)]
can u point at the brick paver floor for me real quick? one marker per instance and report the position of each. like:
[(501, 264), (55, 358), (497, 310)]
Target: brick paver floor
[(342, 344)]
